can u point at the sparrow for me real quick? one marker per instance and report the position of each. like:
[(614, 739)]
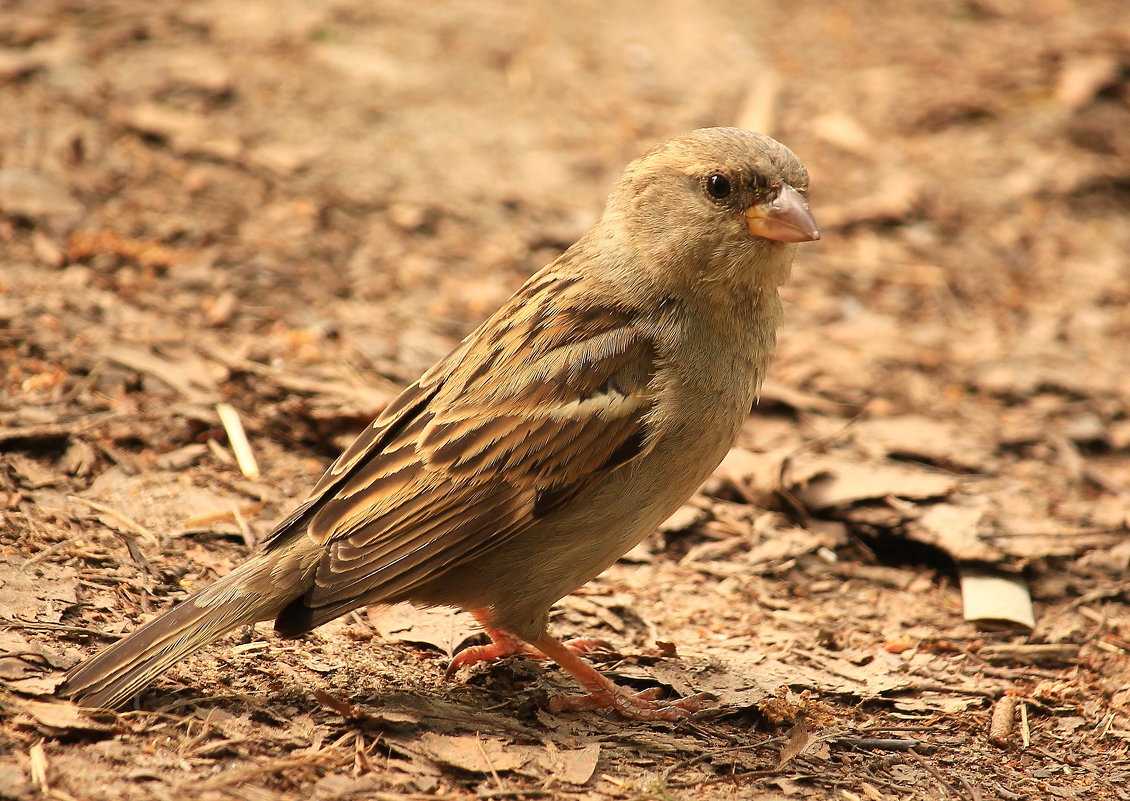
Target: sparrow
[(554, 438)]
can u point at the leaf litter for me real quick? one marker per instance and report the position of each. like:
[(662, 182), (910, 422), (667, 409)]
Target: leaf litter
[(948, 399)]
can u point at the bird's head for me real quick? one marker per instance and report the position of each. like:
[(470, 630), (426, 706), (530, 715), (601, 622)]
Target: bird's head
[(716, 204)]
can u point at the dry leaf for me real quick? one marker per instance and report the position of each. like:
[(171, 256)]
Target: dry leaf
[(186, 372), (54, 717), (797, 740), (442, 628), (953, 528), (840, 129), (996, 600), (572, 766), (821, 482), (1084, 76), (474, 753), (940, 442), (684, 517)]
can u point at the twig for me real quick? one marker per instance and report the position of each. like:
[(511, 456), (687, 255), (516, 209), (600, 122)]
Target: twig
[(50, 549), (934, 772), (321, 759), (879, 743), (237, 438), (1099, 621), (126, 521), (1109, 722), (489, 763), (37, 767), (758, 110), (244, 529), (60, 430), (711, 754), (1098, 594), (235, 513), (31, 625), (973, 790)]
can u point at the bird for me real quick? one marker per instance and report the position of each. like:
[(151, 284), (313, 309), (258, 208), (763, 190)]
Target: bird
[(555, 437)]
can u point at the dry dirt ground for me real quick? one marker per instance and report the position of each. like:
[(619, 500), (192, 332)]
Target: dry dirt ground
[(294, 206)]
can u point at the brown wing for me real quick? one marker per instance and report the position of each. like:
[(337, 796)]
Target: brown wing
[(401, 412), (501, 433)]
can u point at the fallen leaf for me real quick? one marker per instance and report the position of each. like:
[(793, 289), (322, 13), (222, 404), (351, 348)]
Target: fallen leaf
[(840, 129), (794, 745), (995, 600), (474, 753), (572, 766), (940, 442), (684, 517), (954, 529), (444, 629), (821, 482), (1082, 77), (54, 717), (185, 372)]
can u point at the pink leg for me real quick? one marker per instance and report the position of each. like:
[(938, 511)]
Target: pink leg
[(604, 694), (503, 644)]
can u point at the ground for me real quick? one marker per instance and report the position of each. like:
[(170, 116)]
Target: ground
[(908, 581)]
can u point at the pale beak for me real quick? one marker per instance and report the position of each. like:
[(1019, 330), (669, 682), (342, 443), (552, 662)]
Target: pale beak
[(785, 218)]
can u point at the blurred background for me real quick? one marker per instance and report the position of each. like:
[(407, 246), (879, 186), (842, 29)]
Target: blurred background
[(295, 206)]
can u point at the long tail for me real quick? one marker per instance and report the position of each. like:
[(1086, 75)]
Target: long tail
[(256, 591)]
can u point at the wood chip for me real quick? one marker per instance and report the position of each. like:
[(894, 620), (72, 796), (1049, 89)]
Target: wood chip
[(37, 767), (1044, 654), (1003, 719), (237, 438), (996, 601)]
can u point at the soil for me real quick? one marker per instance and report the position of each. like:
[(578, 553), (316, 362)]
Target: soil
[(910, 578)]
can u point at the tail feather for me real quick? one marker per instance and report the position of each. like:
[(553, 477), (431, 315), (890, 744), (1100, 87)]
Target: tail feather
[(114, 675)]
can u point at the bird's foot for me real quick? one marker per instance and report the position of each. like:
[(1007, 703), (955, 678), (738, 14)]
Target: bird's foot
[(503, 644), (603, 693), (585, 645), (644, 705)]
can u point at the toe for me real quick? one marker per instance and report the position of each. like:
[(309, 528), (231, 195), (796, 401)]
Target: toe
[(645, 705), (586, 645)]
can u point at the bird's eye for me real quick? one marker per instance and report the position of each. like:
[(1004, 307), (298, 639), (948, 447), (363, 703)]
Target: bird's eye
[(718, 186)]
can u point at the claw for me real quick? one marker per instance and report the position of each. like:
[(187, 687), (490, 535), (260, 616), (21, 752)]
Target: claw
[(501, 645), (602, 692), (645, 705), (586, 645)]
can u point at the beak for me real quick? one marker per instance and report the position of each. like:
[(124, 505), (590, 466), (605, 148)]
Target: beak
[(785, 218)]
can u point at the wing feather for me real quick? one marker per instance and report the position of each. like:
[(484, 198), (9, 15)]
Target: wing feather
[(501, 433)]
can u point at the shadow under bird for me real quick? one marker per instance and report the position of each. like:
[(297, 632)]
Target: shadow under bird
[(554, 438)]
